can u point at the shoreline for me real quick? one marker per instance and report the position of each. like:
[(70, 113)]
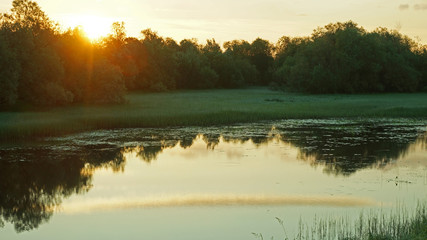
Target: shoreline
[(208, 108)]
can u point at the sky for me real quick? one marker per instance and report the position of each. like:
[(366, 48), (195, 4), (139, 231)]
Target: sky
[(226, 20)]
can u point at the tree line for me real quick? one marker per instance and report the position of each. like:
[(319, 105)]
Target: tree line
[(345, 58), (42, 65)]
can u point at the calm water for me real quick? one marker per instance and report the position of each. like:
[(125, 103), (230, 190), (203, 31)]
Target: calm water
[(209, 183)]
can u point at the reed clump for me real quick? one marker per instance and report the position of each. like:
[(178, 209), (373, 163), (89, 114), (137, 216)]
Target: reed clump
[(399, 224)]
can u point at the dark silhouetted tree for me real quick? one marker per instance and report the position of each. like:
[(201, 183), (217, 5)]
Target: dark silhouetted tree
[(344, 58), (261, 56), (33, 36), (43, 65), (9, 73), (193, 67), (160, 71)]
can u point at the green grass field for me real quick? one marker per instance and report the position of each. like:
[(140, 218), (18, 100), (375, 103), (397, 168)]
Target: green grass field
[(207, 107)]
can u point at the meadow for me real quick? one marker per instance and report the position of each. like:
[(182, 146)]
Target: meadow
[(204, 108)]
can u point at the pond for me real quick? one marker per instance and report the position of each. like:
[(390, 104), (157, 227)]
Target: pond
[(211, 182)]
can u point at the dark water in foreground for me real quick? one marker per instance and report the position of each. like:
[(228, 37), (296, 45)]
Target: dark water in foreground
[(209, 183)]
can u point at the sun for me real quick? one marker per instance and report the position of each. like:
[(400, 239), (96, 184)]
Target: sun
[(94, 26)]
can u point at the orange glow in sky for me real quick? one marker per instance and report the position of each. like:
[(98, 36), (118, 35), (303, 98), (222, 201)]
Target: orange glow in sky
[(227, 20)]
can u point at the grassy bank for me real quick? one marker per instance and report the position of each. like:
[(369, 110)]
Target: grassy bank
[(208, 107), (397, 225)]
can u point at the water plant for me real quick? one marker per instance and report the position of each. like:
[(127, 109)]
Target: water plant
[(398, 224)]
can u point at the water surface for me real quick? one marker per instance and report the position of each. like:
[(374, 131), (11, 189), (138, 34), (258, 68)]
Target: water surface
[(209, 183)]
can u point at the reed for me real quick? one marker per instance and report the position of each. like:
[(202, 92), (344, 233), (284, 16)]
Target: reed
[(206, 107), (398, 224)]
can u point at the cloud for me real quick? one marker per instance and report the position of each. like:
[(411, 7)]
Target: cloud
[(420, 6), (403, 6)]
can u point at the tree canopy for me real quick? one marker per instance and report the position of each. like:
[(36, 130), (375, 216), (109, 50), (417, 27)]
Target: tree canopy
[(40, 64), (345, 58)]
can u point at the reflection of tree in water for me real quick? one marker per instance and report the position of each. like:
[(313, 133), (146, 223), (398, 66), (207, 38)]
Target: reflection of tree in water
[(341, 149), (211, 140), (343, 152), (33, 182), (149, 153), (187, 140), (31, 190)]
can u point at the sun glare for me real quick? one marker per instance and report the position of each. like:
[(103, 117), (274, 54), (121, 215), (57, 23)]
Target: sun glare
[(95, 27)]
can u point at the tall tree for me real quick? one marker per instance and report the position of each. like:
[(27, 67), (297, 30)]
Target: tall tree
[(193, 67), (33, 36), (9, 73), (261, 56), (161, 69)]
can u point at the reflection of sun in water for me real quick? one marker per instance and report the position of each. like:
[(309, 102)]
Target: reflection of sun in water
[(94, 26)]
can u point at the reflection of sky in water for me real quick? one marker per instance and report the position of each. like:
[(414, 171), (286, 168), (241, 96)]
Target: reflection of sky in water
[(234, 169), (228, 188)]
